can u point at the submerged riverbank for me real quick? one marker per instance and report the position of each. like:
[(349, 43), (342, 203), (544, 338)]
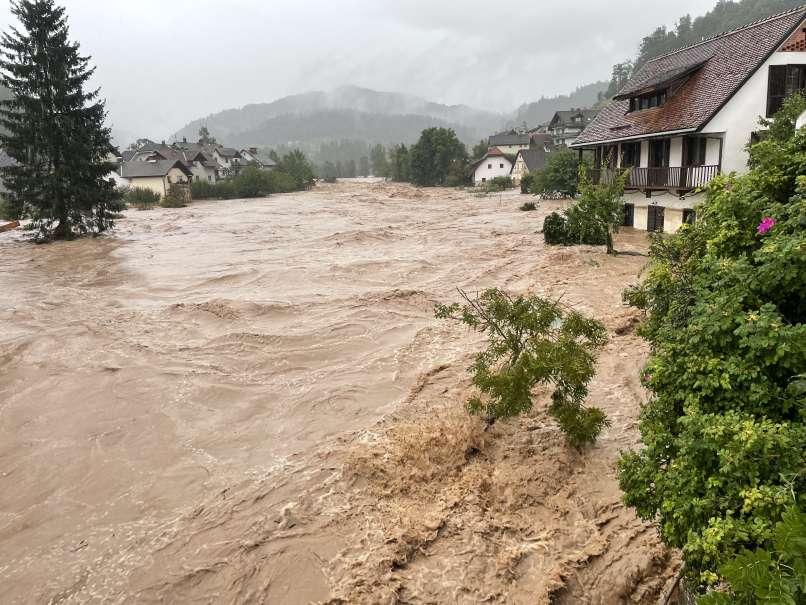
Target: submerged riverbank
[(251, 401)]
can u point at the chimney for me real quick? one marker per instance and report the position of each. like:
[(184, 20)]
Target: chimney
[(253, 151)]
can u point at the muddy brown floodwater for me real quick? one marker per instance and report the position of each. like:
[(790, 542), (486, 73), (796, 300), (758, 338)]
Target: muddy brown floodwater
[(251, 402)]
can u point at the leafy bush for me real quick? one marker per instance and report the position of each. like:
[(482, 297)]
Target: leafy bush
[(297, 166), (725, 433), (561, 174), (178, 197), (759, 576), (531, 341), (502, 182), (141, 198), (526, 183), (555, 230), (252, 182), (280, 182), (528, 207), (597, 214)]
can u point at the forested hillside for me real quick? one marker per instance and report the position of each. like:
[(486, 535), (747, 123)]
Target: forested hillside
[(726, 15), (541, 111)]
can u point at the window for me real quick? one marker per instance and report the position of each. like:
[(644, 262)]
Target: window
[(650, 101), (689, 216), (784, 81), (209, 178), (694, 151), (484, 180), (630, 155), (502, 165), (489, 166)]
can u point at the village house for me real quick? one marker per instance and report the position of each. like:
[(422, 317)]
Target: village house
[(510, 142), (250, 156), (156, 175), (566, 126), (533, 159), (688, 115), (494, 163)]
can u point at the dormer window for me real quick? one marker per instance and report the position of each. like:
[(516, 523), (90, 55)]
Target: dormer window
[(650, 101)]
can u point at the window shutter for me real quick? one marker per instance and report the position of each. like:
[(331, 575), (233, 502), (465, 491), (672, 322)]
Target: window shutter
[(776, 91)]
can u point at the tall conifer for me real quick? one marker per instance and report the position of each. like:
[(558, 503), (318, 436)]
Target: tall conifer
[(54, 128)]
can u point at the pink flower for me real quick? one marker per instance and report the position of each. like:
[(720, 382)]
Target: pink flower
[(766, 224), (647, 377)]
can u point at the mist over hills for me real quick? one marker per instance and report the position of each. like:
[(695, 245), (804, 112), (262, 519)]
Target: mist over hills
[(347, 112), (370, 116)]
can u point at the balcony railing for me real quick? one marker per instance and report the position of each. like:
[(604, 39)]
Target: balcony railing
[(673, 177)]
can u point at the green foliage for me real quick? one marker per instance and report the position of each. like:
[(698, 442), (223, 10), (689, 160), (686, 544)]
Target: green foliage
[(141, 198), (778, 577), (725, 433), (439, 158), (480, 149), (528, 207), (555, 230), (526, 183), (533, 341), (205, 138), (178, 196), (400, 164), (53, 128), (297, 166), (561, 174), (597, 214), (379, 161), (501, 182), (252, 182)]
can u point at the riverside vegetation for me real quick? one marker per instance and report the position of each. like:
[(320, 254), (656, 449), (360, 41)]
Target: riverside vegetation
[(533, 341), (724, 435), (53, 128)]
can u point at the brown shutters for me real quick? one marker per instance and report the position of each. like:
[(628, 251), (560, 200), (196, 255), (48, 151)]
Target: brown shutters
[(654, 218), (784, 81)]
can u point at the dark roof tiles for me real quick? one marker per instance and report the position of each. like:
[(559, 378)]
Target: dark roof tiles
[(727, 61)]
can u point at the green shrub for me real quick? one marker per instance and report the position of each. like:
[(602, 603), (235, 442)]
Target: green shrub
[(759, 576), (526, 183), (178, 197), (281, 182), (724, 434), (532, 341), (141, 198), (597, 214), (555, 230), (501, 182), (528, 207)]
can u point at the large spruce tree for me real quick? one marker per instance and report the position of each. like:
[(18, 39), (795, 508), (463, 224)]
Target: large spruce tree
[(54, 128)]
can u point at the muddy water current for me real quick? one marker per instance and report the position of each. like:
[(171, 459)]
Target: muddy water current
[(251, 402)]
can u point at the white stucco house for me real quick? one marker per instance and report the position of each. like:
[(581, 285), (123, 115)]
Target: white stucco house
[(157, 175), (494, 163), (688, 116)]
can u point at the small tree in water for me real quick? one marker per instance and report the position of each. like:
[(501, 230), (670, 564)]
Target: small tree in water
[(532, 341), (54, 128)]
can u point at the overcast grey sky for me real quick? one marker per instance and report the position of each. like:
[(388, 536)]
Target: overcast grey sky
[(162, 63)]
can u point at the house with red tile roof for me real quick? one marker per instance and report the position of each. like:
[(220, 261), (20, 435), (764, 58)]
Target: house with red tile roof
[(689, 115), (494, 163)]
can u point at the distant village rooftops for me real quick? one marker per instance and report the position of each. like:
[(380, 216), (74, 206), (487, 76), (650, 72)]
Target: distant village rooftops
[(158, 168), (510, 138)]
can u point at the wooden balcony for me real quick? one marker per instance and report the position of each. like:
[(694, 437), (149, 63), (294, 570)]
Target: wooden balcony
[(677, 178)]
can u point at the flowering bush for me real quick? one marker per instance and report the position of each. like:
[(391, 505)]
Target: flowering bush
[(725, 431)]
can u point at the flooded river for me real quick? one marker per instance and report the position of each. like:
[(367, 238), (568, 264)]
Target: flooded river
[(251, 402)]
